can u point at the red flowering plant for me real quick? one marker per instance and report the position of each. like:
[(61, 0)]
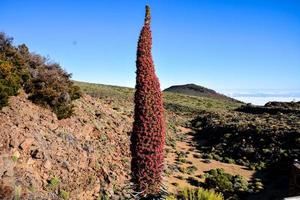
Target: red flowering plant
[(148, 136)]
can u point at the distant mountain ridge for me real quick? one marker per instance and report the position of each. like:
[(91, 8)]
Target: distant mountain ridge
[(197, 90)]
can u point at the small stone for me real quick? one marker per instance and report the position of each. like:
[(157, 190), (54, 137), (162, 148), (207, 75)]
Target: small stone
[(65, 164), (36, 154), (47, 164), (13, 143), (88, 148), (98, 114), (45, 176), (30, 161), (25, 145), (70, 138), (126, 195), (8, 173)]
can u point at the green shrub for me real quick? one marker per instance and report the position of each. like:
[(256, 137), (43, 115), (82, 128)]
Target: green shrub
[(207, 156), (46, 83), (181, 157), (53, 88), (3, 95), (229, 160), (14, 158), (63, 110), (219, 180), (224, 182), (103, 195), (64, 194), (170, 197), (9, 82), (199, 194), (17, 192), (53, 182), (191, 169)]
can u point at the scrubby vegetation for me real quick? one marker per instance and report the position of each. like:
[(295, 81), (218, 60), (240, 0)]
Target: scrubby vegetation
[(256, 137), (64, 194), (53, 183), (44, 81), (225, 183), (196, 194), (256, 141), (225, 135), (180, 104), (219, 185), (12, 72), (231, 186)]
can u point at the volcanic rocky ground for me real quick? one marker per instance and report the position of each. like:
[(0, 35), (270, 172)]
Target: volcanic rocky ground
[(88, 155)]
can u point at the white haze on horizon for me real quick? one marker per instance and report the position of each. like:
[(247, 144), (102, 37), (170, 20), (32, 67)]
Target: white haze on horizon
[(263, 100), (261, 97)]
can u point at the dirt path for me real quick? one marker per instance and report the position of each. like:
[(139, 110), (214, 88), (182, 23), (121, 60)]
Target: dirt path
[(185, 166)]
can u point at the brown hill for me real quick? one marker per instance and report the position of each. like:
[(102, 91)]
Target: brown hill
[(42, 157), (197, 90)]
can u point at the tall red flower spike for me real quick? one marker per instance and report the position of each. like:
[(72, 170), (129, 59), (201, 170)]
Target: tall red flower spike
[(148, 136)]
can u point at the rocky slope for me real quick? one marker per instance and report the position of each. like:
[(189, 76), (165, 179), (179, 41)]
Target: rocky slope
[(197, 90), (42, 157)]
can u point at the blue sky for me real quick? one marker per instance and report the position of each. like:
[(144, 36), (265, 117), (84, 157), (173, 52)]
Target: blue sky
[(220, 44)]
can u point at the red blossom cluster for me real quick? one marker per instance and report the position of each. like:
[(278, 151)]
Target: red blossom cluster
[(148, 136)]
